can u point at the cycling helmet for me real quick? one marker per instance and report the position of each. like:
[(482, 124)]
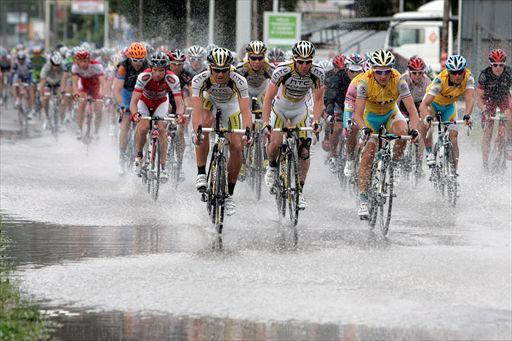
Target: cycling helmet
[(21, 55), (325, 64), (37, 50), (256, 47), (276, 55), (176, 56), (416, 64), (196, 52), (159, 60), (288, 55), (56, 58), (497, 56), (137, 51), (86, 46), (339, 61), (354, 62), (210, 47), (63, 51), (367, 65), (455, 63), (220, 57), (82, 54), (303, 50), (382, 58)]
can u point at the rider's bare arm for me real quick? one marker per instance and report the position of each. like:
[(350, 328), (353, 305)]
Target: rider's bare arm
[(103, 87), (413, 113), (118, 88), (75, 84), (480, 99), (180, 105), (267, 101), (135, 99), (468, 96), (318, 104), (197, 112), (358, 112), (425, 104), (245, 108)]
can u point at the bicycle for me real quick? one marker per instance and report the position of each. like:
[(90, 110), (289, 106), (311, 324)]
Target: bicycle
[(443, 172), (129, 154), (287, 187), (352, 181), (381, 189), (150, 170), (411, 163), (498, 155), (174, 148), (341, 156), (217, 176), (23, 107), (54, 109), (255, 154), (87, 138)]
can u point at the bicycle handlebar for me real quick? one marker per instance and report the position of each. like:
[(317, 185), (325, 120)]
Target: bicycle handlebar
[(390, 137), (153, 118), (292, 129), (223, 130)]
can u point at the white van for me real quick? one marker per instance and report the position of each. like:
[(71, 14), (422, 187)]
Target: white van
[(420, 37)]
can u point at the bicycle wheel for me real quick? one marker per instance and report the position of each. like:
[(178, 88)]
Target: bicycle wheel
[(54, 118), (257, 167), (220, 194), (293, 187), (438, 170), (155, 168), (385, 196), (373, 192), (451, 178), (280, 188), (341, 160), (498, 157), (415, 164)]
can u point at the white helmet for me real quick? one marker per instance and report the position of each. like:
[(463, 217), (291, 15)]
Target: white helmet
[(56, 58), (382, 58), (196, 51)]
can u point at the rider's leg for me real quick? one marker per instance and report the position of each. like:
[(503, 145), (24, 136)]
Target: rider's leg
[(98, 108), (399, 127), (235, 160), (181, 142), (304, 161), (141, 132), (80, 113), (45, 101), (488, 127), (203, 149), (123, 133), (455, 146), (365, 166), (335, 135), (162, 136)]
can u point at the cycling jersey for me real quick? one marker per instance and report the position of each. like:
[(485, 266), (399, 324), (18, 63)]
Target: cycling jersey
[(154, 93), (22, 72), (350, 99), (445, 92), (257, 81), (292, 86), (89, 79), (496, 88), (52, 75), (185, 80), (126, 72), (335, 90), (37, 66), (222, 96), (5, 64), (417, 90), (381, 107)]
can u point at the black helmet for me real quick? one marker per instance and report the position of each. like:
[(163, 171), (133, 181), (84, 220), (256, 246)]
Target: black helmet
[(159, 59)]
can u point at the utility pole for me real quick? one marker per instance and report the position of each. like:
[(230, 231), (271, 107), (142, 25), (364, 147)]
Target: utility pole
[(105, 25), (211, 19), (254, 20), (187, 24), (141, 33), (446, 20), (47, 25)]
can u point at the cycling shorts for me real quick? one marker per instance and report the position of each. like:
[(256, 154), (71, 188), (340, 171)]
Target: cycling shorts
[(156, 109), (20, 79), (374, 121), (231, 117), (126, 97), (504, 104), (448, 113), (298, 118)]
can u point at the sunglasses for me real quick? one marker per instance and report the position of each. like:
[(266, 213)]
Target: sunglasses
[(136, 60), (196, 59), (220, 70), (382, 72), (256, 57), (460, 72), (176, 63), (498, 64), (416, 73), (300, 61)]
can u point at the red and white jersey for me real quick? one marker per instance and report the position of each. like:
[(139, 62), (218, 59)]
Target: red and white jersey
[(157, 91), (90, 76)]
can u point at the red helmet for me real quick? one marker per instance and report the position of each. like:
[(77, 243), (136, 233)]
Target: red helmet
[(416, 64), (339, 61), (82, 54), (176, 55), (497, 56)]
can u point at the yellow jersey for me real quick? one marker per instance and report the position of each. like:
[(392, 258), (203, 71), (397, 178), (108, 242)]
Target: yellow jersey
[(445, 92)]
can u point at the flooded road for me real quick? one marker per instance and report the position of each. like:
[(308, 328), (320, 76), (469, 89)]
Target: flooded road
[(108, 263)]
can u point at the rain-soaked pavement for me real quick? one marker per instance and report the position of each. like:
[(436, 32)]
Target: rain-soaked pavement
[(108, 263)]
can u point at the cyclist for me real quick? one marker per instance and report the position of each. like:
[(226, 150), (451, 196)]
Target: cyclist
[(276, 56), (5, 68), (38, 60), (22, 73), (336, 90), (196, 60), (377, 93), (51, 76), (418, 81), (285, 104), (124, 84), (220, 87), (88, 80), (357, 67), (493, 92), (442, 93), (177, 60), (150, 98), (109, 73)]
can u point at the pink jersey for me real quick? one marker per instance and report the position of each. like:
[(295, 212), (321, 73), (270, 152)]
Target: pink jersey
[(90, 77), (156, 92), (350, 97)]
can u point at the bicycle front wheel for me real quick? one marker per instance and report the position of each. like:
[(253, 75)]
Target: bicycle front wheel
[(451, 178), (385, 196), (341, 160), (257, 167), (293, 188), (154, 169), (220, 195)]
